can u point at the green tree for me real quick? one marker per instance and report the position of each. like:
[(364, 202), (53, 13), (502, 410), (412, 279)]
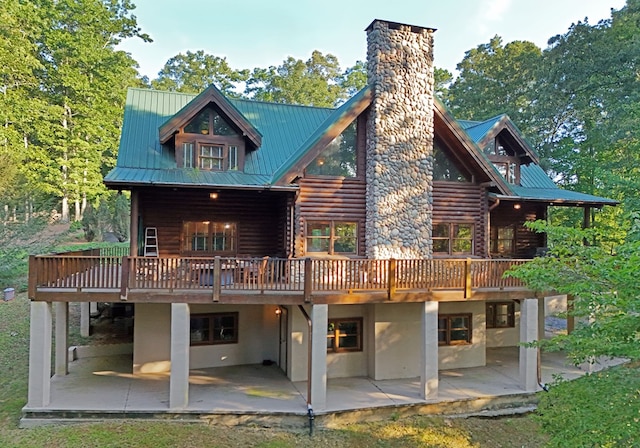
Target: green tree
[(443, 79), (82, 84), (496, 79), (315, 82), (354, 79), (20, 23), (194, 72), (604, 279)]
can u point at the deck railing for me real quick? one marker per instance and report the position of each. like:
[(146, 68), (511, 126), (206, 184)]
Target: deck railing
[(259, 275)]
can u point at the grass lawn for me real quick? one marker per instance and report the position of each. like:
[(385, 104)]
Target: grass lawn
[(411, 432)]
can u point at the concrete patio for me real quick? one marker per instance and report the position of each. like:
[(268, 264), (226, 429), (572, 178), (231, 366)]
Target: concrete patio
[(264, 395)]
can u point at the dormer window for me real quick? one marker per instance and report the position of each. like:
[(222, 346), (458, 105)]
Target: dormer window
[(210, 142)]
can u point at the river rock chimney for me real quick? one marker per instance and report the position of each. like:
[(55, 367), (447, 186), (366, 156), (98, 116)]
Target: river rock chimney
[(399, 141)]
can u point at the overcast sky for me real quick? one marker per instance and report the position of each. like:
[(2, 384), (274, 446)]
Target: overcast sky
[(261, 33)]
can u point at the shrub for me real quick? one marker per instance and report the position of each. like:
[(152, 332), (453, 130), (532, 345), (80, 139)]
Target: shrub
[(601, 409)]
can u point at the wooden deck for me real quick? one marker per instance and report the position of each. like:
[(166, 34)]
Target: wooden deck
[(111, 278)]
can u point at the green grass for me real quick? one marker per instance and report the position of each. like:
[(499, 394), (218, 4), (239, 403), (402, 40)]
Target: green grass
[(409, 432)]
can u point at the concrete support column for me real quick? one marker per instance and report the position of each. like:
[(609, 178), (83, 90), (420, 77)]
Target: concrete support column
[(62, 338), (529, 356), (39, 394), (180, 343), (429, 352), (318, 374), (85, 319)]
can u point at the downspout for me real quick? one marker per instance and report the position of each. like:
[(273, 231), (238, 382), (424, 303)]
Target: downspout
[(310, 414)]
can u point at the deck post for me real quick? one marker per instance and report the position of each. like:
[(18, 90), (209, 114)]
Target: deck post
[(124, 278), (393, 264), (467, 279), (571, 319), (429, 352), (32, 281), (62, 337), (39, 394), (217, 279), (85, 319), (179, 380), (318, 374), (528, 355), (308, 272)]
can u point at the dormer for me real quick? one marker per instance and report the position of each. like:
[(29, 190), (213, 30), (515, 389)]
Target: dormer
[(505, 148), (210, 134)]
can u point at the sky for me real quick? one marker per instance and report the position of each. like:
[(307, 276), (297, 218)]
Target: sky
[(262, 33)]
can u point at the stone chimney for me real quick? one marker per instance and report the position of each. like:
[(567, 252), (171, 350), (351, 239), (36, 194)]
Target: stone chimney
[(399, 141)]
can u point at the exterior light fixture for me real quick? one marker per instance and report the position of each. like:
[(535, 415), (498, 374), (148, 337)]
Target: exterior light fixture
[(213, 195), (278, 311), (516, 206)]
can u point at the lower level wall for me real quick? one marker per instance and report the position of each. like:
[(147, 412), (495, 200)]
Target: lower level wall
[(257, 338), (470, 355)]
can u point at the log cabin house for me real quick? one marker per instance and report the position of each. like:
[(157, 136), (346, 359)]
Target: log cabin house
[(366, 240)]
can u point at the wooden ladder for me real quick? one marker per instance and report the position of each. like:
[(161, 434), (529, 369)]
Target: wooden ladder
[(150, 242)]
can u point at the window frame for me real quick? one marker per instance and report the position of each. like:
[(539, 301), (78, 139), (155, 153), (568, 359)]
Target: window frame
[(505, 160), (335, 337), (451, 239), (359, 147), (210, 238), (448, 330), (233, 145), (495, 240), (491, 317), (332, 237), (211, 327)]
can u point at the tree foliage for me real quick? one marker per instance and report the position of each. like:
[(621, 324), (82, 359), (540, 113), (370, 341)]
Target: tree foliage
[(193, 72), (603, 279)]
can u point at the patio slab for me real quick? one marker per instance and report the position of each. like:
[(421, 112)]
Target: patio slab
[(265, 391)]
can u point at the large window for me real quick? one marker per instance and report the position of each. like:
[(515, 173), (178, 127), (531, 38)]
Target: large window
[(209, 237), (214, 328), (452, 239), (503, 240), (344, 335), (332, 237), (339, 157), (444, 168), (500, 315), (209, 142), (454, 329)]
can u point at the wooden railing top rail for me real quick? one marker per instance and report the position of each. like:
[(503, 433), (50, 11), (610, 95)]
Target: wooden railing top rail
[(307, 276)]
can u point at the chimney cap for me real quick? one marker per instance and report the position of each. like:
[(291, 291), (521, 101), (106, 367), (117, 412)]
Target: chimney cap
[(397, 25)]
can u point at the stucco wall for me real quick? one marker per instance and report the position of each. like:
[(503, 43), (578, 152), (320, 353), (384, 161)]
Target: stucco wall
[(471, 355), (505, 337), (257, 338), (152, 338), (341, 365), (395, 351)]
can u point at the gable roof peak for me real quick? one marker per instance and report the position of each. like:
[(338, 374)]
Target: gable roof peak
[(210, 95)]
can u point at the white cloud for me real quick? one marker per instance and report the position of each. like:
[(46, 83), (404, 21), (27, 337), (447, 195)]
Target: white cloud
[(495, 10)]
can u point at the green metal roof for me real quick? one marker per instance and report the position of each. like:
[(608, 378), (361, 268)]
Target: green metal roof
[(288, 133), (478, 129), (143, 160)]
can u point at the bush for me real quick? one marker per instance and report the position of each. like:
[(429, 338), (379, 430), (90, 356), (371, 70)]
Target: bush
[(601, 409)]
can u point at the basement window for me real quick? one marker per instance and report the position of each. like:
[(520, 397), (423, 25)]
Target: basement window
[(500, 315), (214, 328), (454, 329), (344, 335)]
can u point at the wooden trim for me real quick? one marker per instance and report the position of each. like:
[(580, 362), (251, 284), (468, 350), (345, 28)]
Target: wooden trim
[(210, 95)]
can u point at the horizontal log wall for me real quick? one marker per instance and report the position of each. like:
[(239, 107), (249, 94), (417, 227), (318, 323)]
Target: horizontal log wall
[(330, 199), (527, 241), (461, 202), (260, 217)]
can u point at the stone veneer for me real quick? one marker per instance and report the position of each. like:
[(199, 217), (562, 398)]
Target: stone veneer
[(399, 141)]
